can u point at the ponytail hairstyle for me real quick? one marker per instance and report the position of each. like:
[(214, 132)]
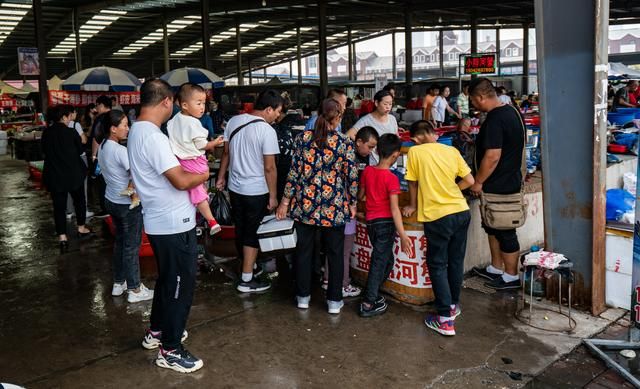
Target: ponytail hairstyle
[(330, 109), (109, 119)]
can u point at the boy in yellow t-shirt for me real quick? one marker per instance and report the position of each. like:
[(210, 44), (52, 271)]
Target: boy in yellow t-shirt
[(432, 170)]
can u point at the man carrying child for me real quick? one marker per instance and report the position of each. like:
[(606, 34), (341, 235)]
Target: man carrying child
[(432, 170)]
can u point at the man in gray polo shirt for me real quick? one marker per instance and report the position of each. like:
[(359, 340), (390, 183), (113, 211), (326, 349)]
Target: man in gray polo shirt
[(169, 221)]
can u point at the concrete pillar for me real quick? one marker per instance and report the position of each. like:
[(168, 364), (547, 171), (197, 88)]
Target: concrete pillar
[(394, 70), (573, 60), (206, 34), (322, 52), (264, 73), (290, 70), (165, 44), (474, 37), (525, 58), (408, 53), (239, 55), (498, 51), (350, 60), (250, 75), (299, 54), (76, 32), (42, 54)]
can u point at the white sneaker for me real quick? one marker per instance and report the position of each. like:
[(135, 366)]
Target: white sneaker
[(303, 302), (143, 295), (89, 214), (351, 291), (335, 306), (69, 215), (118, 289)]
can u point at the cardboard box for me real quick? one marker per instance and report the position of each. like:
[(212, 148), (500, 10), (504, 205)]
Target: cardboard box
[(618, 276), (276, 234)]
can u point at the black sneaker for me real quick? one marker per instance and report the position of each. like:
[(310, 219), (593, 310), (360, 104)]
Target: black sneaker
[(179, 360), (253, 286), (381, 300), (482, 272), (500, 284), (377, 308)]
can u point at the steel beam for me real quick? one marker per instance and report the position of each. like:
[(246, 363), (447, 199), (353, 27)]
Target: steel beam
[(498, 51), (394, 71), (206, 33), (76, 32), (441, 49), (574, 164), (238, 55), (525, 58), (322, 46), (165, 44), (298, 54), (42, 54), (351, 53), (408, 52)]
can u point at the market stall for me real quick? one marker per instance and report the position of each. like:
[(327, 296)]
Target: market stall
[(409, 280)]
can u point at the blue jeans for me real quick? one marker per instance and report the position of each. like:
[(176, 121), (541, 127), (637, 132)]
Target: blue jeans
[(446, 247), (382, 233), (126, 249)]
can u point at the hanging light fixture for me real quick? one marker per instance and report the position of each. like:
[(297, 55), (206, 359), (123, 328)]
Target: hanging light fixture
[(439, 19)]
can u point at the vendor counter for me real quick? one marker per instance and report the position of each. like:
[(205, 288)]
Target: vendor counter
[(409, 280)]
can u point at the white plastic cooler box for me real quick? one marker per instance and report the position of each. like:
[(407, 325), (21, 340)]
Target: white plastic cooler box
[(276, 234)]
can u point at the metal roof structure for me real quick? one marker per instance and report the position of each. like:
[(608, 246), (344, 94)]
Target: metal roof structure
[(128, 33)]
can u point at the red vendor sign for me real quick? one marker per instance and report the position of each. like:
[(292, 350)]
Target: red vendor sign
[(480, 64), (83, 98)]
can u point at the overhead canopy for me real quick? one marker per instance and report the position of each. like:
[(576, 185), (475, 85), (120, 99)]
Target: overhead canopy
[(618, 71), (202, 77), (127, 34), (6, 89)]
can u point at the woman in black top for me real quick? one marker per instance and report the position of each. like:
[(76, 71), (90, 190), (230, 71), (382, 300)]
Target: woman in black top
[(64, 171)]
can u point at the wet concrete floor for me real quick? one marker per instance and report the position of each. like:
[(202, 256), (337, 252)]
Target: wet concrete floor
[(61, 328)]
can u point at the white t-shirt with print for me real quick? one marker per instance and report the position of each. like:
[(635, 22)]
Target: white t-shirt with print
[(438, 109), (246, 154), (167, 210), (187, 136), (114, 164)]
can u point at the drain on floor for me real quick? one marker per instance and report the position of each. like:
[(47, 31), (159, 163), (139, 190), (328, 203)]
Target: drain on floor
[(477, 283)]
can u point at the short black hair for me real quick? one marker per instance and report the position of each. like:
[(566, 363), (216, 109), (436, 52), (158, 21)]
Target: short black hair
[(349, 101), (381, 94), (421, 127), (389, 87), (366, 133), (388, 144), (482, 86), (186, 90), (104, 100), (268, 98), (335, 92), (57, 112), (153, 91), (434, 86), (113, 98)]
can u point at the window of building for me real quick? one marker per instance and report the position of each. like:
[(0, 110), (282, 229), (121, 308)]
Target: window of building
[(452, 56), (432, 58), (342, 68), (515, 52), (400, 59), (507, 52), (628, 48), (313, 62)]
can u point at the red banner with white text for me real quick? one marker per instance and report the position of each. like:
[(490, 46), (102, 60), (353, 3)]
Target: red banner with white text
[(83, 98)]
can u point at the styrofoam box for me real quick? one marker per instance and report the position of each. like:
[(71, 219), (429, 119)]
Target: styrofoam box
[(276, 234), (618, 276)]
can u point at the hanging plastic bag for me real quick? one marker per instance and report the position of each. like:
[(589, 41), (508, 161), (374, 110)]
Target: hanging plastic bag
[(221, 208), (619, 201)]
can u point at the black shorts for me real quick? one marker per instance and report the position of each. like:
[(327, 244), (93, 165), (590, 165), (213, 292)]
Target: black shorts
[(508, 239), (247, 213)]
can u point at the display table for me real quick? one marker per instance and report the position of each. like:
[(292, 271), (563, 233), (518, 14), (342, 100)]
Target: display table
[(409, 280)]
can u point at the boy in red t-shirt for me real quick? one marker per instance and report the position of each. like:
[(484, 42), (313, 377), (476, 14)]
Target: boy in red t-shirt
[(381, 187)]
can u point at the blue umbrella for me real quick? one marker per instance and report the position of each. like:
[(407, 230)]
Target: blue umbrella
[(202, 77), (102, 78)]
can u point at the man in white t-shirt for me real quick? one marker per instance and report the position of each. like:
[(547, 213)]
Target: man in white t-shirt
[(169, 221), (250, 150)]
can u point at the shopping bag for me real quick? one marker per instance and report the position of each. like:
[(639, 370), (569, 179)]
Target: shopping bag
[(221, 208)]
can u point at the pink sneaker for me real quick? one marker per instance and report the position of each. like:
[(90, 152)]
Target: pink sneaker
[(446, 328)]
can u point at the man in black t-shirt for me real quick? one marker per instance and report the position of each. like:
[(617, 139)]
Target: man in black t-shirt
[(499, 148)]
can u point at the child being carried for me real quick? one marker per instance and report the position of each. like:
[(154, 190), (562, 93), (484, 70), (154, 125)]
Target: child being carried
[(188, 139)]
